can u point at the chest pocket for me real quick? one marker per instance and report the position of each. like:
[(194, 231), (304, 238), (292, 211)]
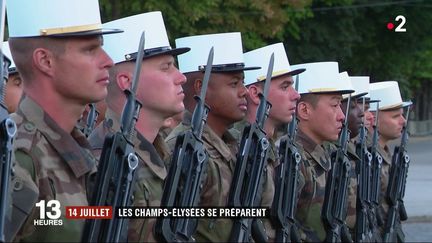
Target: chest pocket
[(47, 187)]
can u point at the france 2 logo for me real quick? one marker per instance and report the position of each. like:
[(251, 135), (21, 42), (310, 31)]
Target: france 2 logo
[(400, 26)]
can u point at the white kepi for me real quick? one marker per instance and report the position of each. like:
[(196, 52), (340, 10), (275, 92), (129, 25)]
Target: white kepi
[(260, 57), (228, 53), (6, 52), (124, 46), (389, 95), (323, 78), (360, 84), (54, 18)]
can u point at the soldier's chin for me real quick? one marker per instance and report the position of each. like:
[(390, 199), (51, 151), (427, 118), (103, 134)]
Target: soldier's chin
[(334, 137), (239, 116)]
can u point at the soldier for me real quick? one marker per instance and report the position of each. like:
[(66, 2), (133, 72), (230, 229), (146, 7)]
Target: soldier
[(363, 83), (355, 119), (14, 87), (283, 98), (320, 119), (57, 48), (226, 97), (158, 75), (391, 121)]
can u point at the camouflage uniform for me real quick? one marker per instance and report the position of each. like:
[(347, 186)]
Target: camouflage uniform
[(164, 132), (301, 180), (352, 188), (218, 179), (314, 167), (149, 176), (54, 165), (385, 174)]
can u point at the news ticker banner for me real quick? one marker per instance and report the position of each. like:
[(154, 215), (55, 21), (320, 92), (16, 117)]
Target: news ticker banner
[(95, 212), (50, 212)]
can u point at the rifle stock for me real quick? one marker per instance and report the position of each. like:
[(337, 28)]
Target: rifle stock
[(7, 132), (285, 198), (396, 189), (251, 161), (182, 187), (117, 165), (364, 227), (375, 216), (336, 191)]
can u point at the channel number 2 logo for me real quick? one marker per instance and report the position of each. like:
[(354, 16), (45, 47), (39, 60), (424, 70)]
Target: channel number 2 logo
[(400, 26), (51, 209)]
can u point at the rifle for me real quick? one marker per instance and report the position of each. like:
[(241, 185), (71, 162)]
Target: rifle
[(363, 230), (396, 189), (116, 168), (251, 161), (182, 187), (334, 208), (375, 216), (285, 198), (7, 132), (92, 117)]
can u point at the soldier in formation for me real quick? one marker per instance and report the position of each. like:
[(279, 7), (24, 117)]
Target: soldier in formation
[(63, 68)]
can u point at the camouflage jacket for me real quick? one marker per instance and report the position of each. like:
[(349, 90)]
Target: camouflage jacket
[(385, 175), (149, 176), (268, 185), (218, 179), (53, 165), (301, 180), (353, 158), (352, 187), (314, 167)]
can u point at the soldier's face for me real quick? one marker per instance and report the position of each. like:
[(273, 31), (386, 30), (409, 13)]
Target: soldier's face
[(355, 116), (81, 71), (226, 96), (327, 117), (14, 90), (390, 124), (283, 98), (369, 117), (160, 87)]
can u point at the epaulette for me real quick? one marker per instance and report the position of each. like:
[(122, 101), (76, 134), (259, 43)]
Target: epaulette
[(25, 136), (25, 141)]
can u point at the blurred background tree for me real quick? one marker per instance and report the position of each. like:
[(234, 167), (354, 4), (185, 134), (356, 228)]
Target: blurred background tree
[(352, 32)]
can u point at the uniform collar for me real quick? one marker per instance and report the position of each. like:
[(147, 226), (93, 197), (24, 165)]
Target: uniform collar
[(226, 146), (385, 153), (316, 151), (143, 148), (351, 150), (72, 147)]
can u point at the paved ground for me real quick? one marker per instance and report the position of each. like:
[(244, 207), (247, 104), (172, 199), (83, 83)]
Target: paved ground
[(418, 195)]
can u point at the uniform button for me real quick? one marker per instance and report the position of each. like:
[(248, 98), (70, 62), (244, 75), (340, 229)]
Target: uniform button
[(17, 184), (29, 127)]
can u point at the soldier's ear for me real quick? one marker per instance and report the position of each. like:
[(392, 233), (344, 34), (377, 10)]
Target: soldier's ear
[(253, 92), (303, 110), (43, 60), (124, 80), (197, 86)]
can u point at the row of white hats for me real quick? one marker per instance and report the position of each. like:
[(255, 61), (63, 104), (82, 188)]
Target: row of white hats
[(323, 77), (82, 17)]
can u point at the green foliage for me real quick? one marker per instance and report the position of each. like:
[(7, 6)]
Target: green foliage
[(352, 32), (258, 20)]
